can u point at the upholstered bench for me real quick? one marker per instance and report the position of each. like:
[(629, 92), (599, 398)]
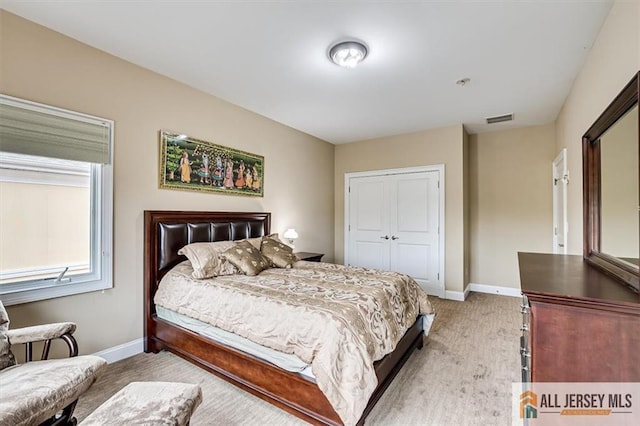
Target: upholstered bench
[(148, 403)]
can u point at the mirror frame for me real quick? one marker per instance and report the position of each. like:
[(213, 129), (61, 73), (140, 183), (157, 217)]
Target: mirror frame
[(622, 271)]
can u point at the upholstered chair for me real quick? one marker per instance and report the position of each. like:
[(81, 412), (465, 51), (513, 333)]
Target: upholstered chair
[(43, 392)]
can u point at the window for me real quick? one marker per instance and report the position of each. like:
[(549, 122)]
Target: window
[(56, 198)]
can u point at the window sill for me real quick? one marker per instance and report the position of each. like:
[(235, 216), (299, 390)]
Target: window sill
[(33, 295)]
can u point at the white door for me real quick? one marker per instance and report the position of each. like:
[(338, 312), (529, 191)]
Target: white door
[(560, 182), (414, 227), (369, 222), (394, 223)]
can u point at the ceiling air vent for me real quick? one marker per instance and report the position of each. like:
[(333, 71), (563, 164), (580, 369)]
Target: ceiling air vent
[(499, 118)]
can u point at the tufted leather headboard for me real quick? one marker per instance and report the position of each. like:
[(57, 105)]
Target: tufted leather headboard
[(165, 232)]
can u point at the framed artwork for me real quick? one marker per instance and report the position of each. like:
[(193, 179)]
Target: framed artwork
[(192, 164)]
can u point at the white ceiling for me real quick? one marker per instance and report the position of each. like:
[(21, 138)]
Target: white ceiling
[(270, 57)]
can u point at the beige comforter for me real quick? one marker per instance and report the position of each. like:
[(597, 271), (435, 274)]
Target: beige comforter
[(339, 319)]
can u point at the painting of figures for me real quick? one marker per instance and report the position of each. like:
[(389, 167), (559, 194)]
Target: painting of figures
[(192, 164)]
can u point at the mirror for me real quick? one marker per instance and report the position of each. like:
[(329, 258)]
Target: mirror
[(611, 189), (619, 189)]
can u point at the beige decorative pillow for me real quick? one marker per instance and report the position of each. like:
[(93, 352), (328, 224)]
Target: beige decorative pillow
[(280, 254), (246, 258), (258, 240), (206, 261), (255, 241)]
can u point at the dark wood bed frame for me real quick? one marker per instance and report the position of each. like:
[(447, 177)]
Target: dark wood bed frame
[(165, 232)]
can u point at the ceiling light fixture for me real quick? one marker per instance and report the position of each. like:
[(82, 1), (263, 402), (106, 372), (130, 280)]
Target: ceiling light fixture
[(348, 54)]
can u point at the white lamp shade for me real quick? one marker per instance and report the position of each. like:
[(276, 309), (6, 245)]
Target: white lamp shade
[(290, 234)]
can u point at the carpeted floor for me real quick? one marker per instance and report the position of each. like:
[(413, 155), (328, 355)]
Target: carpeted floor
[(462, 376)]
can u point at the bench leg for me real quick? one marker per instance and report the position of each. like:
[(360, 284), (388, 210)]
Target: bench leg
[(65, 418)]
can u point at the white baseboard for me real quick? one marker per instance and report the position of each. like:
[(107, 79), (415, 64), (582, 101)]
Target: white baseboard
[(455, 295), (493, 289), (122, 351)]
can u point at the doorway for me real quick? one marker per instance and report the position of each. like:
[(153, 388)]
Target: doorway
[(560, 182), (394, 220)]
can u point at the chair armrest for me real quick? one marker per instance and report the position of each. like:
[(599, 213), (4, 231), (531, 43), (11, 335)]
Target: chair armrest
[(46, 333), (39, 333)]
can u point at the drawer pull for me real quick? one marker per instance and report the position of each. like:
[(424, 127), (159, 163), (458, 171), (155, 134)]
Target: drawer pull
[(525, 368), (524, 327)]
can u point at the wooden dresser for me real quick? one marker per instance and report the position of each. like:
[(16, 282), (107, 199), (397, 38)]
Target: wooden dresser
[(579, 325)]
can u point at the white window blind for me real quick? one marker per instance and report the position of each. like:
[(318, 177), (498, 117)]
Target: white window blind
[(33, 129)]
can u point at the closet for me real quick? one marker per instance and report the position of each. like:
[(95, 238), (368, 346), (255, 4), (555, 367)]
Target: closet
[(394, 221)]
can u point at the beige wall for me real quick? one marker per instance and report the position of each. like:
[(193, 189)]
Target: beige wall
[(510, 200), (614, 58), (41, 65), (436, 146)]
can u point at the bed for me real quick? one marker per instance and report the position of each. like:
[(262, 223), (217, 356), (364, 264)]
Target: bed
[(166, 232)]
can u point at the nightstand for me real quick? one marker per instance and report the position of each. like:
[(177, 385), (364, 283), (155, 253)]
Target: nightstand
[(310, 257)]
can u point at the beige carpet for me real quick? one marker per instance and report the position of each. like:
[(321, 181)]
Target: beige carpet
[(462, 376)]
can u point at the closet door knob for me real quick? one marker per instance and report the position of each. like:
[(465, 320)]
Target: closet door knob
[(393, 237), (385, 237)]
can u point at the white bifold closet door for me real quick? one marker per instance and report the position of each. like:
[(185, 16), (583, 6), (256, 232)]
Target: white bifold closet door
[(393, 224)]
